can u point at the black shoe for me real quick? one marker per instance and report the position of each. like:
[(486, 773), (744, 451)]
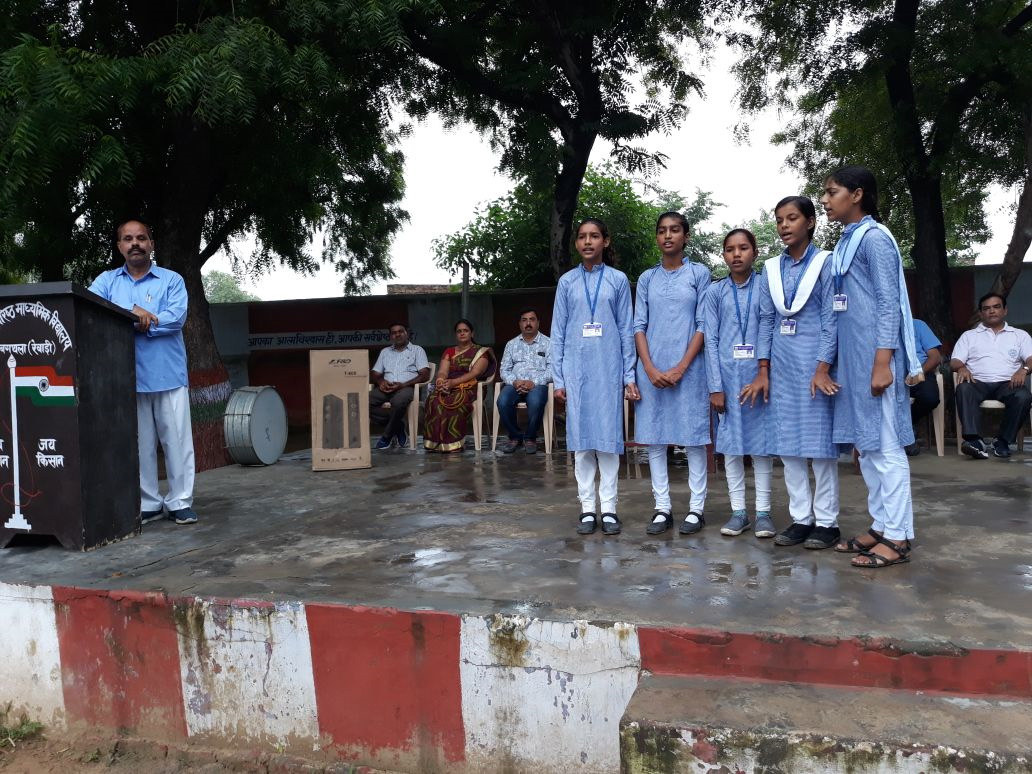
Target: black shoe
[(1001, 448), (659, 527), (511, 446), (610, 527), (794, 535), (689, 527), (912, 450), (586, 526), (823, 537), (402, 439), (975, 449)]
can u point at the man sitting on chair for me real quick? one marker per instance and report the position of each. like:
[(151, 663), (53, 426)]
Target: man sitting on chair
[(926, 393), (397, 370), (992, 362), (526, 371)]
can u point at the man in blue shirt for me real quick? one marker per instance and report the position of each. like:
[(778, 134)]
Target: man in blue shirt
[(526, 371), (926, 393), (158, 298)]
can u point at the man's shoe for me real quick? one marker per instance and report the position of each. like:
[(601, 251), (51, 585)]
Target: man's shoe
[(822, 537), (975, 449), (737, 524), (610, 524), (1001, 448), (764, 525), (146, 517), (587, 524), (383, 443), (794, 535), (510, 446), (402, 439), (183, 516), (692, 523), (912, 450), (530, 447)]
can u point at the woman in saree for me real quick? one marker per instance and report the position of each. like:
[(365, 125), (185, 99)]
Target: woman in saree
[(450, 403)]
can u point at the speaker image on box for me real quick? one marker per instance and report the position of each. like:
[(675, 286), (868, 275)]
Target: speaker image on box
[(354, 422), (333, 422)]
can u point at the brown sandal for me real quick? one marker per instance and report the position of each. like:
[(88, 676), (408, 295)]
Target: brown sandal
[(877, 561), (854, 546)]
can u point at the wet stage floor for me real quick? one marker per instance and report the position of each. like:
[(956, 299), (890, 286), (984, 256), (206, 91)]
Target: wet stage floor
[(476, 533)]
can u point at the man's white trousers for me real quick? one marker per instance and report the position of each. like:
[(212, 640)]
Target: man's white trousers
[(165, 417)]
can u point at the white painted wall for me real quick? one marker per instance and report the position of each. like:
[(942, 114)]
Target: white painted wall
[(30, 678)]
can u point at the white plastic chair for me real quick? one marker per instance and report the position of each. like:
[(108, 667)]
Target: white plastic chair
[(412, 413), (547, 423), (985, 404), (478, 410), (939, 418)]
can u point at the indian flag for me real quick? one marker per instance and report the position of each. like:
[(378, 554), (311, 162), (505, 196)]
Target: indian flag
[(43, 386)]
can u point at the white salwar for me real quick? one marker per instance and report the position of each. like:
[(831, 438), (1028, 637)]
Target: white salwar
[(734, 468), (820, 504), (887, 475), (697, 476), (586, 464), (165, 417)]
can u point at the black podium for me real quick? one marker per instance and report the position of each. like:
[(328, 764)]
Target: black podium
[(69, 463)]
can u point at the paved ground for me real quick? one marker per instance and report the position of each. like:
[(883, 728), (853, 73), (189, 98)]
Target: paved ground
[(478, 533)]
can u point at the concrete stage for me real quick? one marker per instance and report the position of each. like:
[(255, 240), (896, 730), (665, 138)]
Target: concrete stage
[(503, 598)]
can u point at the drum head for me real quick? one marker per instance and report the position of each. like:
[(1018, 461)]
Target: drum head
[(268, 425)]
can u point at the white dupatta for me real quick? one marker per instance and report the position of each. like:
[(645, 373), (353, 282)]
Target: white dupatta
[(803, 290)]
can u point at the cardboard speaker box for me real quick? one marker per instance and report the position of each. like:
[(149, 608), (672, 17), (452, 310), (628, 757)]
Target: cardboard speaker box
[(340, 408)]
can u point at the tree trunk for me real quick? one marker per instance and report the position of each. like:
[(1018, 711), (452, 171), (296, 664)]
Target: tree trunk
[(576, 152), (1021, 236), (178, 245)]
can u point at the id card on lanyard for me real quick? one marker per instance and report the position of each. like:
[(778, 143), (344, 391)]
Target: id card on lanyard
[(743, 351), (592, 329)]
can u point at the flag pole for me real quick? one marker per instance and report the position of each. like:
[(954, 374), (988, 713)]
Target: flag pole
[(17, 520)]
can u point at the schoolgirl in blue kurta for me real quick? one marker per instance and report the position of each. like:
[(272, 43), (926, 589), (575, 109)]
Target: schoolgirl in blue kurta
[(593, 370), (797, 342), (876, 353), (671, 376), (731, 325)]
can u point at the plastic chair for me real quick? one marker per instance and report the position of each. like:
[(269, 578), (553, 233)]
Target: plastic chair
[(478, 410), (547, 423), (939, 418), (985, 404), (412, 414)]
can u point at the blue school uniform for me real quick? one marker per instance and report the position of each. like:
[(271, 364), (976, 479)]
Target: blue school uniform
[(871, 322), (668, 310), (798, 425), (593, 369), (741, 429)]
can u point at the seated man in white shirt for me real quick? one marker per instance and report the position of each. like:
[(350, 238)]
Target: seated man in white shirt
[(395, 373), (992, 362), (526, 370)]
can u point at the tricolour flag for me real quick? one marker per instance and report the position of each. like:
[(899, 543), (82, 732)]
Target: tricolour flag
[(43, 386)]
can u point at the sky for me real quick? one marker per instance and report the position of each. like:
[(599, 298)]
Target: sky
[(448, 173)]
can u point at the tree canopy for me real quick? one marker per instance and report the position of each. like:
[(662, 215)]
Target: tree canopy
[(546, 80), (223, 288), (928, 93)]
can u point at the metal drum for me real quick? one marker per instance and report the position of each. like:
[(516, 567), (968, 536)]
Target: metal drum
[(255, 426)]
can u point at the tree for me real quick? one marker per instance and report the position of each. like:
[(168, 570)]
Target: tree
[(932, 73), (546, 80), (222, 288), (507, 238), (266, 117)]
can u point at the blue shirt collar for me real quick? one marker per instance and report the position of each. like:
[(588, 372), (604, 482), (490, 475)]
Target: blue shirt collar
[(810, 250), (123, 269), (854, 226)]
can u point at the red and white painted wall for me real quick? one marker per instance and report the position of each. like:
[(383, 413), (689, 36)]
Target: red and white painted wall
[(406, 691)]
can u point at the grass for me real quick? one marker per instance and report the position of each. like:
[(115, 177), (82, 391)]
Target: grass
[(12, 733)]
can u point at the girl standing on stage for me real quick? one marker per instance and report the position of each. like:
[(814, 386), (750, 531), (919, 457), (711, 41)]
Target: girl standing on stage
[(796, 350), (876, 356), (671, 377), (731, 327), (593, 370)]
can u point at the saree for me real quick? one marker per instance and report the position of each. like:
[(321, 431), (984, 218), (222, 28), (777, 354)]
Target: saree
[(447, 414)]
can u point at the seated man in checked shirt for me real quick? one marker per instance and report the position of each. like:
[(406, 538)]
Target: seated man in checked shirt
[(526, 371)]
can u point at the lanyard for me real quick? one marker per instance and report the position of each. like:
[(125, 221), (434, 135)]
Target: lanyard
[(592, 302), (811, 251), (743, 328)]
